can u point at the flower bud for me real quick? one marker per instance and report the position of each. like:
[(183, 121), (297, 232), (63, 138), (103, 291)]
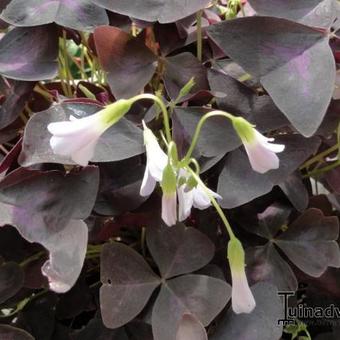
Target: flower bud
[(156, 161), (169, 198), (241, 296), (262, 154), (77, 138), (186, 88), (112, 113)]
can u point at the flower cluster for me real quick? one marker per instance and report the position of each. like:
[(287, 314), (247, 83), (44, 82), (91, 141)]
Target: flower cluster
[(174, 182), (182, 187)]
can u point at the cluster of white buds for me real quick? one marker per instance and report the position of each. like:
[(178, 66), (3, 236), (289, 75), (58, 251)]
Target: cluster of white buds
[(174, 181)]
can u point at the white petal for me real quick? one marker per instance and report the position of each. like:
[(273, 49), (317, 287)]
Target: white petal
[(216, 195), (242, 298), (265, 141), (261, 159), (183, 173), (185, 202), (148, 183), (332, 159), (67, 145), (76, 126), (261, 138), (169, 207), (157, 161), (62, 145), (156, 166), (156, 158), (275, 147), (201, 199), (78, 143), (84, 155)]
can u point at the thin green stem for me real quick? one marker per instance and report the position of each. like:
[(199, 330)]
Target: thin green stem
[(41, 90), (92, 256), (199, 126), (319, 157), (164, 139), (172, 153), (62, 76), (93, 249), (66, 61), (195, 163), (21, 305), (162, 107), (214, 203), (82, 62), (199, 35), (88, 58), (323, 170)]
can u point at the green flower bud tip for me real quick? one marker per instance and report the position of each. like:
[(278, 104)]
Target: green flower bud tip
[(244, 129), (112, 113), (187, 87), (173, 154), (236, 255), (191, 182), (169, 180)]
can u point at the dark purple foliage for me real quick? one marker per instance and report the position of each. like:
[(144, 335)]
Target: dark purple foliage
[(83, 255)]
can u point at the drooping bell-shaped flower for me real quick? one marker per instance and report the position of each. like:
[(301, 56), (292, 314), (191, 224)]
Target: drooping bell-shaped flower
[(156, 161), (242, 298), (192, 194), (261, 153), (77, 138), (169, 197)]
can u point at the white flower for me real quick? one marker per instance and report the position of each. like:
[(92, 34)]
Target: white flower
[(192, 197), (77, 138), (242, 298), (158, 169), (156, 161), (261, 153)]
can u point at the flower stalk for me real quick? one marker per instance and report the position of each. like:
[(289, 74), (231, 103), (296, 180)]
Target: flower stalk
[(261, 153), (214, 203), (159, 102), (199, 34), (186, 159)]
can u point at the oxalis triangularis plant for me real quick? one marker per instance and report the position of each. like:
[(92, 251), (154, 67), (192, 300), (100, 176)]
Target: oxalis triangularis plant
[(167, 168)]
